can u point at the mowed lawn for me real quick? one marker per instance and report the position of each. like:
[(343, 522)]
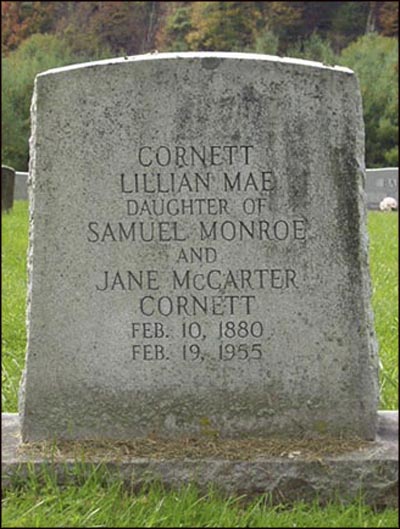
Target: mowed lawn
[(97, 503)]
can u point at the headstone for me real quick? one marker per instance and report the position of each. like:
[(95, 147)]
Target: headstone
[(21, 186), (7, 188), (198, 259), (381, 183)]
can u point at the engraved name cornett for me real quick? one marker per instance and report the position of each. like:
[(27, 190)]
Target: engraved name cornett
[(237, 285), (171, 183), (207, 155)]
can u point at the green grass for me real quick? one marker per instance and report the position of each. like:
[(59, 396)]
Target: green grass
[(383, 232), (14, 231), (97, 503)]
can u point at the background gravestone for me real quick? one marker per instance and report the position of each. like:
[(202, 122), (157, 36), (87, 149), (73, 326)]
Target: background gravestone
[(381, 183), (198, 258), (21, 186), (7, 188)]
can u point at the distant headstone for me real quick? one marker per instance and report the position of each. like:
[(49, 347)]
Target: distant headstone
[(21, 186), (7, 188), (381, 183), (198, 256)]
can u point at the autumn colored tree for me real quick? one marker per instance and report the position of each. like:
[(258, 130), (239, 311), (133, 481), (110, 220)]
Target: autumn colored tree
[(20, 20), (125, 28), (282, 20), (171, 35), (11, 23), (223, 26), (383, 18), (40, 35), (389, 19), (278, 23)]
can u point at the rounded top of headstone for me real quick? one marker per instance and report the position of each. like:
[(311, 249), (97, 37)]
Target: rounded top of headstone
[(214, 58), (7, 168), (378, 169)]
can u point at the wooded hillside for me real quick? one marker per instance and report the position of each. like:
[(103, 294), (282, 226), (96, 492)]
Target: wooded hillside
[(362, 35)]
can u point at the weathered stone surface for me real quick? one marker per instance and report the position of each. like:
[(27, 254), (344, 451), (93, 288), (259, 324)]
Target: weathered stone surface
[(7, 188), (381, 183), (372, 471), (243, 307)]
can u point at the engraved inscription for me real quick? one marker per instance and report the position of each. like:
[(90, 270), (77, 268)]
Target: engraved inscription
[(228, 195)]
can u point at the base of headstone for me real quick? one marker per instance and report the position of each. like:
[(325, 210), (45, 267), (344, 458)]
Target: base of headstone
[(371, 471)]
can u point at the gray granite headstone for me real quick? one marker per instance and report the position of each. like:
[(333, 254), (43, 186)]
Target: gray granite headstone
[(198, 259), (381, 183), (21, 186), (7, 187)]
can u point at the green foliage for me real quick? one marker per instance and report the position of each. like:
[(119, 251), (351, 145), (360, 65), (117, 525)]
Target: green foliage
[(267, 42), (177, 26), (316, 17), (374, 59), (223, 26), (314, 48), (348, 22), (284, 20), (36, 54)]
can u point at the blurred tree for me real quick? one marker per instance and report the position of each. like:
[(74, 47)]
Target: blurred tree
[(348, 23), (316, 17), (141, 26), (277, 23), (229, 26), (311, 30), (374, 58), (281, 19), (314, 48), (372, 19), (171, 35), (267, 42), (74, 27), (223, 26), (10, 25), (22, 19), (125, 28), (36, 54), (389, 19)]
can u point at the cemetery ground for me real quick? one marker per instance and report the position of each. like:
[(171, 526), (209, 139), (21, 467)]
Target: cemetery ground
[(99, 502)]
